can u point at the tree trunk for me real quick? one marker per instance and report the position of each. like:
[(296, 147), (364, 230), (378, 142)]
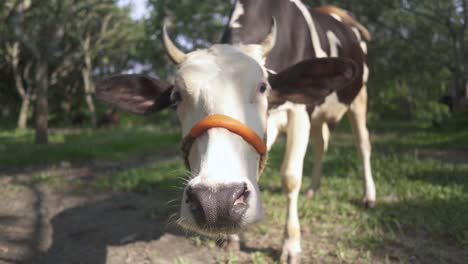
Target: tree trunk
[(41, 136), (92, 109), (24, 111), (89, 90)]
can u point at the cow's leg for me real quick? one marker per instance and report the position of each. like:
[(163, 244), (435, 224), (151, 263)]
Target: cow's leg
[(232, 243), (357, 116), (298, 128), (320, 135), (276, 123)]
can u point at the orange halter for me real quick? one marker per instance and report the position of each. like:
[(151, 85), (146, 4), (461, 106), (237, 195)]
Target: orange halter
[(229, 123)]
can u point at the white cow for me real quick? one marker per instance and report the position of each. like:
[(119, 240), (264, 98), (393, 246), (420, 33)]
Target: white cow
[(222, 95)]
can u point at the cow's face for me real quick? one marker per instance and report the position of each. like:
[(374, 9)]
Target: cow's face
[(222, 194), (223, 80)]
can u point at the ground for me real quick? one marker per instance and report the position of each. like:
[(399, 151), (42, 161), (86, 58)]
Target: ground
[(72, 203)]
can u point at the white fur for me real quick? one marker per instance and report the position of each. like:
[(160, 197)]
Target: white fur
[(236, 14), (337, 17), (365, 74), (334, 44), (364, 46), (357, 33), (319, 52), (332, 110)]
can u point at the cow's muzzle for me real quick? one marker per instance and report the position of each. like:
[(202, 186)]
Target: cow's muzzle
[(220, 208)]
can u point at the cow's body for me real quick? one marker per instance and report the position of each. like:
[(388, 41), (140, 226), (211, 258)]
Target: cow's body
[(302, 34)]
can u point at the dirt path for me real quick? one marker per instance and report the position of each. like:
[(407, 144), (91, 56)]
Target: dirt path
[(59, 223)]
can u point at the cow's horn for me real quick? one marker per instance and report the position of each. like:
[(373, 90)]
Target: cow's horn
[(174, 53), (269, 42)]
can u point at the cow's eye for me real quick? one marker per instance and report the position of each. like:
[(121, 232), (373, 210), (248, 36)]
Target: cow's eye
[(176, 97), (263, 87)]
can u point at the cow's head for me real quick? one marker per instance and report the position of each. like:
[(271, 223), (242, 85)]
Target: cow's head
[(222, 95)]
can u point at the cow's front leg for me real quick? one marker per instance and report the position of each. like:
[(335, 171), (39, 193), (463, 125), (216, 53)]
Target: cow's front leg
[(232, 243), (298, 128)]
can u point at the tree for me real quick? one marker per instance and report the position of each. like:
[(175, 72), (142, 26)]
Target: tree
[(21, 76), (102, 29), (196, 23), (58, 40)]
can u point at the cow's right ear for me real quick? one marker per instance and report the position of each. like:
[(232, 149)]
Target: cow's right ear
[(310, 81), (135, 93)]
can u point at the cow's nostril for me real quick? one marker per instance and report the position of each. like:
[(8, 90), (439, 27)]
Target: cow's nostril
[(192, 200), (242, 199), (240, 206)]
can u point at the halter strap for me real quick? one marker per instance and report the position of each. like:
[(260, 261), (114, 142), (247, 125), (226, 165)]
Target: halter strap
[(231, 124)]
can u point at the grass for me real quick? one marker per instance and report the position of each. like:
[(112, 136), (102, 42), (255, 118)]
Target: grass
[(421, 214), (165, 176), (18, 150)]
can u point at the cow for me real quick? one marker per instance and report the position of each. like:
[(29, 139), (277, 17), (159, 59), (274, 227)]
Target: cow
[(221, 95), (305, 33)]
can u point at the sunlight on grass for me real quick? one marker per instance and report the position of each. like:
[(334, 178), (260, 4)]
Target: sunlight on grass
[(167, 176), (17, 148)]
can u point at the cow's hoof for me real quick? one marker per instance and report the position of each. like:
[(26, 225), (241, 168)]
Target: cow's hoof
[(368, 203), (310, 193), (291, 252), (290, 258), (231, 245)]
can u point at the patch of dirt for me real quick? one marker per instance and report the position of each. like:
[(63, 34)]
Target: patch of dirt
[(51, 226), (44, 223), (454, 156)]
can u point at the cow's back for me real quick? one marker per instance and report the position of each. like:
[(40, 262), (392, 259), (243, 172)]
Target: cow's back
[(303, 34)]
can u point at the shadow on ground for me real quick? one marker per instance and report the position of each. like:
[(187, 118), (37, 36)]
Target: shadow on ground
[(83, 234)]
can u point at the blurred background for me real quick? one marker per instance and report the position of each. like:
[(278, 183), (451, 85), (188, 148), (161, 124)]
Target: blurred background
[(59, 48), (63, 151)]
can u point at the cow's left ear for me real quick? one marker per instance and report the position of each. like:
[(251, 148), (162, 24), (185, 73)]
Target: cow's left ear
[(135, 93), (310, 81)]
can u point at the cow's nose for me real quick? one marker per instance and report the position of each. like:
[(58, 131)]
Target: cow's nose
[(218, 207)]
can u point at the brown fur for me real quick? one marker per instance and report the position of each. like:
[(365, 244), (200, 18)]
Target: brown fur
[(347, 19)]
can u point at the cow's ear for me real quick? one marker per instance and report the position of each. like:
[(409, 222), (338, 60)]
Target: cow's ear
[(310, 81), (137, 94)]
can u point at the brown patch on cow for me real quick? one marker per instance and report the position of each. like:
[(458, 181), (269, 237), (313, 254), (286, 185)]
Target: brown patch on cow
[(347, 19)]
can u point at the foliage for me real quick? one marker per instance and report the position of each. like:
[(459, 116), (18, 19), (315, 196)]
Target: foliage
[(58, 40), (417, 55), (192, 24)]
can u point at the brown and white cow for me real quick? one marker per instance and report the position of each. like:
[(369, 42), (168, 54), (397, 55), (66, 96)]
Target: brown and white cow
[(304, 34), (222, 95)]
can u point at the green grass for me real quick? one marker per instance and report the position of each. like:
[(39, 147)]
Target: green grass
[(449, 133), (421, 214), (167, 176), (17, 148)]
